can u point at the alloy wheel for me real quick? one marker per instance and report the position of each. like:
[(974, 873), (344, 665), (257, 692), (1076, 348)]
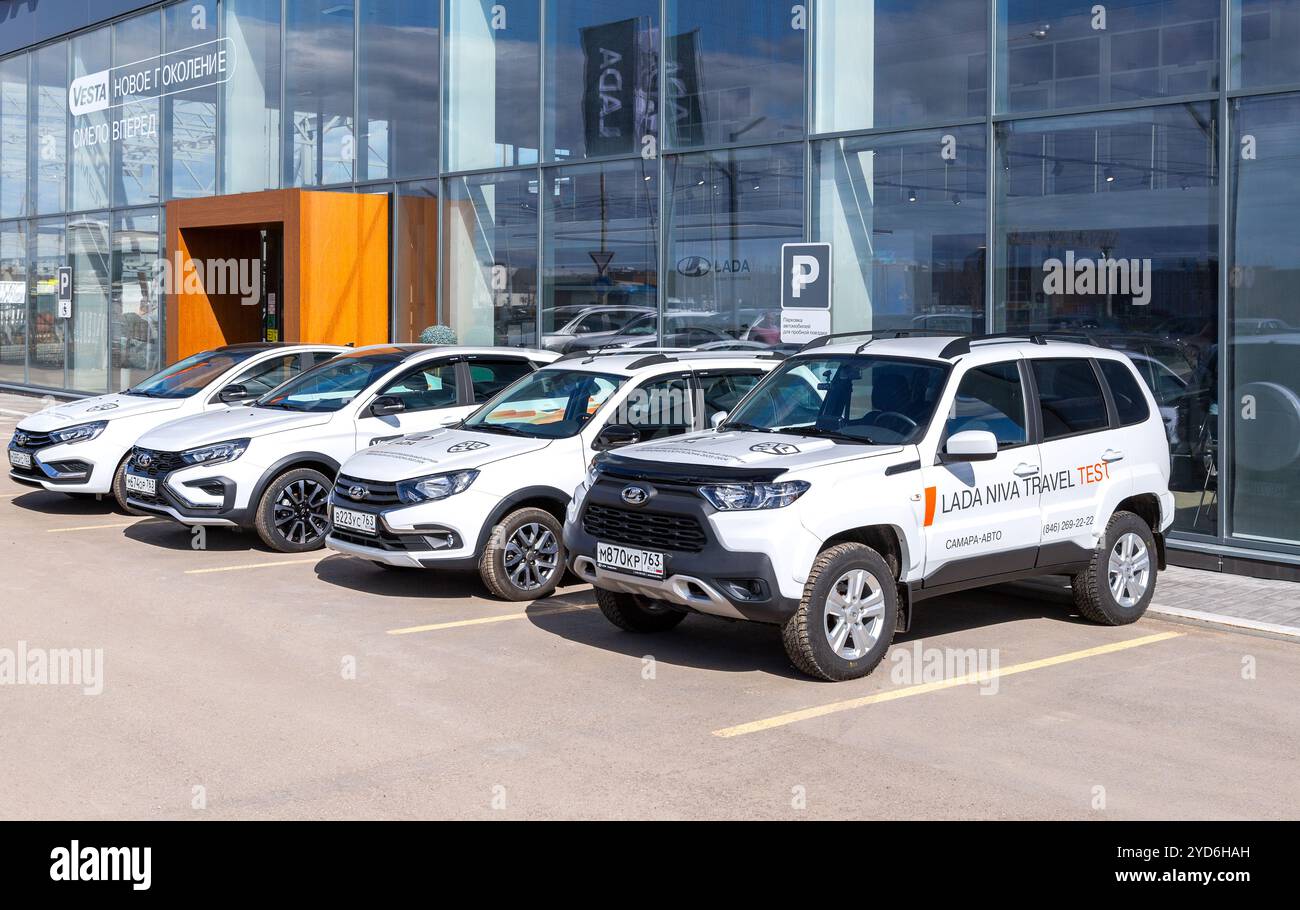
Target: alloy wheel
[(301, 512), (1129, 570), (855, 614), (532, 556)]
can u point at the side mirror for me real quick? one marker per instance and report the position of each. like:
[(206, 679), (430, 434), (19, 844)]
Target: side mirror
[(971, 445), (717, 419), (386, 405), (615, 435), (234, 393)]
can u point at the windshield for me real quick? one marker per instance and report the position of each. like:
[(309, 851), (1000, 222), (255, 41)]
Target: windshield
[(548, 404), (191, 375), (874, 400), (331, 385)]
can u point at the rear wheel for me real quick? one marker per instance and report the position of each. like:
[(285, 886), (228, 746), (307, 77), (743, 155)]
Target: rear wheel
[(1120, 580), (636, 613), (293, 515), (524, 556)]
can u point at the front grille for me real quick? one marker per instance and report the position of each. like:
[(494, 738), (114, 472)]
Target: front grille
[(377, 493), (30, 440), (160, 463), (652, 530), (383, 541)]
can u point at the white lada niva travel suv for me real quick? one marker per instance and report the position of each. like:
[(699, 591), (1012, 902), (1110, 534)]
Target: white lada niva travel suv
[(269, 467), (80, 447), (860, 478), (489, 495)]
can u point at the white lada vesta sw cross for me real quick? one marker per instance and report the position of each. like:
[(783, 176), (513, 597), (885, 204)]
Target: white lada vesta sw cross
[(269, 467), (489, 495), (861, 478), (80, 447)]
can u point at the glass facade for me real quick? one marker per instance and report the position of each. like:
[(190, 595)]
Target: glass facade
[(572, 173)]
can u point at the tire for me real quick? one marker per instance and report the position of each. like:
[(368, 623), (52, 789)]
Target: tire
[(1103, 592), (810, 634), (634, 613), (524, 556), (293, 514), (119, 489)]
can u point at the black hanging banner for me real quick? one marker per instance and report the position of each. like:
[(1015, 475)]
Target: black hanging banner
[(610, 85)]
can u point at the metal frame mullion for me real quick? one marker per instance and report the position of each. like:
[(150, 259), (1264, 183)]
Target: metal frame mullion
[(1226, 172)]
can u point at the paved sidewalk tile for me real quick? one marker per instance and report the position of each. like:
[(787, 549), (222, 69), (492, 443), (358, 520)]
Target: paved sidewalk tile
[(1238, 596)]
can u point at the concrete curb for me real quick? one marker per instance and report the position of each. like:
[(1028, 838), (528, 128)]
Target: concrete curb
[(1226, 621)]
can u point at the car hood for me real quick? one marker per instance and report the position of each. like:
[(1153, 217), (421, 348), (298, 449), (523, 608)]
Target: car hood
[(219, 426), (101, 407), (742, 449), (435, 452)]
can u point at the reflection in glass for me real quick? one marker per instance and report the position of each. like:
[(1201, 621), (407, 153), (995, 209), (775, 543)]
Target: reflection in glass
[(13, 302), (13, 136), (1265, 36), (490, 258), (250, 146), (320, 144), (416, 254), (1107, 226), (734, 72), (191, 115), (49, 140), (906, 216), (1264, 327), (90, 255), (45, 345), (601, 228), (899, 62), (1055, 54), (135, 154), (729, 212), (399, 88), (137, 299), (491, 105), (602, 66), (90, 132)]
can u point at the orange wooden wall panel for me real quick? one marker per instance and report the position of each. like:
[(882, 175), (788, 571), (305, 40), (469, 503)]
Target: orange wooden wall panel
[(343, 268)]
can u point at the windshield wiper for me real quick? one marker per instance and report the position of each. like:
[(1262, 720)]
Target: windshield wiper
[(753, 428), (821, 432), (496, 428)]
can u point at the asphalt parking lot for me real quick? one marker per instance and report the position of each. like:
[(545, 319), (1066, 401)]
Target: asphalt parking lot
[(241, 683)]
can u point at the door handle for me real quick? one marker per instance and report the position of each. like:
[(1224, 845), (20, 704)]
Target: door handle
[(1112, 455), (1025, 470)]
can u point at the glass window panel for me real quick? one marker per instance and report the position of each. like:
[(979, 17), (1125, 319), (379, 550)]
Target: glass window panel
[(138, 301), (1264, 329), (399, 88), (250, 139), (1106, 224), (492, 70), (729, 212), (417, 260), (91, 141), (991, 398), (1070, 399), (602, 252), (13, 136), (906, 215), (45, 336), (490, 257), (320, 146), (90, 255), (13, 302), (1055, 54), (49, 98), (896, 62), (734, 71), (602, 67), (1130, 403), (135, 151), (1265, 35), (191, 115)]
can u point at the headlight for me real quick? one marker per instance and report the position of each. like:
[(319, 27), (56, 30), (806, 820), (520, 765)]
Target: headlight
[(80, 433), (593, 473), (740, 497), (435, 486), (215, 453)]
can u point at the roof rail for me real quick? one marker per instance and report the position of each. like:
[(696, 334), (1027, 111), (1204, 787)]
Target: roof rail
[(650, 361), (875, 334), (610, 350), (960, 346)]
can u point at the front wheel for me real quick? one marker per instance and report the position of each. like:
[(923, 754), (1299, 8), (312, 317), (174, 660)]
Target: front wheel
[(846, 619), (119, 489), (1120, 580), (524, 556), (635, 613), (293, 515)]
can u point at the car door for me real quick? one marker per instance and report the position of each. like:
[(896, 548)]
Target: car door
[(981, 518), (432, 394), (1080, 455)]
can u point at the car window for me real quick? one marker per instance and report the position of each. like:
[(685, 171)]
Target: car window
[(489, 377), (263, 377), (658, 408), (595, 322), (1130, 403), (425, 388), (991, 398), (1070, 397), (723, 390), (331, 385), (551, 404), (186, 377)]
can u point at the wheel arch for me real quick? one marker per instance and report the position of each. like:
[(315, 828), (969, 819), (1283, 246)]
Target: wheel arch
[(891, 543), (551, 499), (1146, 506), (315, 460)]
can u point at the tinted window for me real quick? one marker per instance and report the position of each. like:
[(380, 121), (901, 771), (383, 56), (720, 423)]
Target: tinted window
[(491, 376), (185, 377), (268, 374), (658, 409), (425, 388), (1129, 400), (551, 404), (1070, 397), (991, 398), (331, 385), (723, 391)]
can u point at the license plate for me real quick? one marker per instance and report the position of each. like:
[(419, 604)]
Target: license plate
[(630, 559), (137, 484), (354, 521), (20, 459)]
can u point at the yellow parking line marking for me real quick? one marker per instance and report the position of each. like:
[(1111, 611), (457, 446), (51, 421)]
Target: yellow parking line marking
[(120, 524), (254, 565), (792, 717), (484, 620)]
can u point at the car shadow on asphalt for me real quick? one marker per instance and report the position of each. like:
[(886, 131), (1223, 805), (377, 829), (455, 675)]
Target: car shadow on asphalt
[(357, 574), (172, 535), (48, 503)]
